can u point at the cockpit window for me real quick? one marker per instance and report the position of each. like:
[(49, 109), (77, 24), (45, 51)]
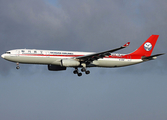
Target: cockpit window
[(7, 52)]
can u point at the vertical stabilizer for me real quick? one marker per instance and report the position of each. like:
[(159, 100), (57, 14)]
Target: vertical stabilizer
[(147, 47)]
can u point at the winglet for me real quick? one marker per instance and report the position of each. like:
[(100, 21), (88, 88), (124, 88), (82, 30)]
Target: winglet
[(126, 45)]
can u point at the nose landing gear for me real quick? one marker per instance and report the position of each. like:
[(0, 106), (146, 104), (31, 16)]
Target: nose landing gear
[(17, 67)]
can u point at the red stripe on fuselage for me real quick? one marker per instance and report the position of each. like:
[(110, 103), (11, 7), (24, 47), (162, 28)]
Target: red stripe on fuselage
[(119, 56)]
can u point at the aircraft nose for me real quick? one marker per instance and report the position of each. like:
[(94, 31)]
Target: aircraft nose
[(3, 56)]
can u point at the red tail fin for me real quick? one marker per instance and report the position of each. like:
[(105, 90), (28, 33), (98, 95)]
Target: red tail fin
[(147, 47)]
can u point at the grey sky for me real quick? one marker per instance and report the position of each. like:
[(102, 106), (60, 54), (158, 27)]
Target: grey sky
[(135, 92)]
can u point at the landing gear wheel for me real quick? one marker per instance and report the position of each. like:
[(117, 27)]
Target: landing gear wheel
[(75, 71), (79, 74), (87, 72), (17, 67), (83, 69)]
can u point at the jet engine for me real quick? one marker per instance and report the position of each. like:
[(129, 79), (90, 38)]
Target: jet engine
[(69, 63), (55, 67)]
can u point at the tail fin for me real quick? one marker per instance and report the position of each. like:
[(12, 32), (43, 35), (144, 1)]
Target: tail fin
[(147, 47)]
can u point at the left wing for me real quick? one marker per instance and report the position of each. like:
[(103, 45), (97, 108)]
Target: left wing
[(91, 57)]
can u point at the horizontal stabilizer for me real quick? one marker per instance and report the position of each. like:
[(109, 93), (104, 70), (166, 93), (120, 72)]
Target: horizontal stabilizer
[(152, 57)]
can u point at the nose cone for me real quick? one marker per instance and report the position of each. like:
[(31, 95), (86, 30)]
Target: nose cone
[(3, 56)]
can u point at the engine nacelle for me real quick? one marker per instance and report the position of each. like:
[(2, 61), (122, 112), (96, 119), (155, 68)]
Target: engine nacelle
[(69, 63), (56, 68)]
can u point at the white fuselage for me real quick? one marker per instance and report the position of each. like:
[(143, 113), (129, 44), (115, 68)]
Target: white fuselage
[(60, 60), (33, 56)]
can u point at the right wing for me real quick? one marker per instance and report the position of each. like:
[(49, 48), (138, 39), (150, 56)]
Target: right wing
[(91, 57)]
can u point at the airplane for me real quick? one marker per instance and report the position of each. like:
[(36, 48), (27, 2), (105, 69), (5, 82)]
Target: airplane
[(60, 60)]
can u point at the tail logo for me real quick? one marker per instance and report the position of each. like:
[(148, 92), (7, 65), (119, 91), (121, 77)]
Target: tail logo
[(147, 46)]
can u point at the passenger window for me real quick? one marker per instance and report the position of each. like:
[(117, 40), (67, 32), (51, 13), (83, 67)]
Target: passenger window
[(35, 51)]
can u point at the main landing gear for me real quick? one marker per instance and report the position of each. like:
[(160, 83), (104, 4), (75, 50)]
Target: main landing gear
[(76, 71), (84, 70), (17, 67)]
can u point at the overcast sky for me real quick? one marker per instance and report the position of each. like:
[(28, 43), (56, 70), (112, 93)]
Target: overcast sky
[(130, 93)]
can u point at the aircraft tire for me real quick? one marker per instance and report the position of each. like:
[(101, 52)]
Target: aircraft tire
[(17, 67), (79, 74), (87, 72), (83, 69), (75, 71)]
